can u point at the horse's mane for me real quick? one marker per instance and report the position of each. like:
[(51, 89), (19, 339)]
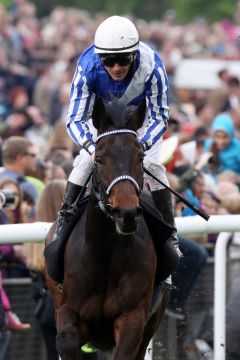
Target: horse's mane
[(116, 111)]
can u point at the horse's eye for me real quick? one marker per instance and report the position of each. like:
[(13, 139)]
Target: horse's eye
[(99, 161)]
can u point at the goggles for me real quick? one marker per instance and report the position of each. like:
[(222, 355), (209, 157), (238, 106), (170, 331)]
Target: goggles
[(120, 59)]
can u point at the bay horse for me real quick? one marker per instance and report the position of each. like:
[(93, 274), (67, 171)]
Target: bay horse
[(110, 259)]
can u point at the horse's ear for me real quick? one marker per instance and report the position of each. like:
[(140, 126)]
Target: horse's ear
[(137, 117), (98, 114)]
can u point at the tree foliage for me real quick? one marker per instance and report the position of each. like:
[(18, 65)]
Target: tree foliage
[(6, 3), (213, 10), (186, 10)]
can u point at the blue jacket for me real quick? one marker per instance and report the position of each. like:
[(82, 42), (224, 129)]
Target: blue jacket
[(187, 211), (147, 80), (230, 156)]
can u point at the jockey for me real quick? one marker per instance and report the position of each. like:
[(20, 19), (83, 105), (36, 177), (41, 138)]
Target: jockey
[(117, 64)]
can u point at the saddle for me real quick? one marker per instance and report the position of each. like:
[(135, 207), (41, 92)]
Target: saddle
[(160, 232)]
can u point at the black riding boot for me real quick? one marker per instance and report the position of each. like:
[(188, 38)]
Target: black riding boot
[(67, 212), (168, 254), (67, 216)]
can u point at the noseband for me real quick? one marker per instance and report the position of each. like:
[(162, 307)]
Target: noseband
[(100, 190)]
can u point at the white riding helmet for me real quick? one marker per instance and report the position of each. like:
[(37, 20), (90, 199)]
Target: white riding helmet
[(116, 34)]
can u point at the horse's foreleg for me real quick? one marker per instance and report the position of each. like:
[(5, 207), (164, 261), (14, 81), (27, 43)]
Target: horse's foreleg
[(68, 341), (128, 332), (153, 324)]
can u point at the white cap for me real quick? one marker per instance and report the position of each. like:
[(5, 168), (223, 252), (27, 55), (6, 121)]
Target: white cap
[(116, 34)]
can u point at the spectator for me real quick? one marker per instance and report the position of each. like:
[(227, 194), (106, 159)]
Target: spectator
[(4, 333), (231, 203), (19, 157), (234, 92), (224, 146), (192, 183), (16, 124), (211, 204), (13, 255), (226, 187), (18, 98), (39, 131), (188, 269), (28, 208), (12, 320), (228, 175), (8, 319), (60, 142)]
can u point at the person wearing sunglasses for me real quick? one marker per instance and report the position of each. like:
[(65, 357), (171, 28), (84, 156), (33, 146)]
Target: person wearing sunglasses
[(117, 65)]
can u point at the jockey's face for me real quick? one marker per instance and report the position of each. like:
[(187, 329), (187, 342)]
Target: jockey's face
[(117, 66), (118, 72)]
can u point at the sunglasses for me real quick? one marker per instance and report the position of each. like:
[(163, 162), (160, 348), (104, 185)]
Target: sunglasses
[(122, 60)]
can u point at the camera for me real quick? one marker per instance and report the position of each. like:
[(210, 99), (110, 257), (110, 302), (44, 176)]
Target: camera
[(7, 198)]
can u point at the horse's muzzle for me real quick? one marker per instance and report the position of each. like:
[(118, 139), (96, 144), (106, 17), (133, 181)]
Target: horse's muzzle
[(126, 219)]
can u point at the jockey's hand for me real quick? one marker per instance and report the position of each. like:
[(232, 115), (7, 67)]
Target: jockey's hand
[(144, 145)]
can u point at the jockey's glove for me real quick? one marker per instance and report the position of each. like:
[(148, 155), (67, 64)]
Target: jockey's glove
[(144, 145)]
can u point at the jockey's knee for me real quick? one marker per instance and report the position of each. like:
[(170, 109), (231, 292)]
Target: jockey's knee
[(159, 171), (82, 168)]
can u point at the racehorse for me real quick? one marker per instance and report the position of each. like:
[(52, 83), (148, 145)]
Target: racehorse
[(110, 259)]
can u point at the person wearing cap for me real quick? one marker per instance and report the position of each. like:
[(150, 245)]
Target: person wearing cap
[(118, 65)]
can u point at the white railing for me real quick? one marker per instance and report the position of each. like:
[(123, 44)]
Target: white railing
[(220, 278), (223, 224)]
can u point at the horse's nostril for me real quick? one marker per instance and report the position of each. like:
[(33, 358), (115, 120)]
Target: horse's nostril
[(109, 208), (115, 212)]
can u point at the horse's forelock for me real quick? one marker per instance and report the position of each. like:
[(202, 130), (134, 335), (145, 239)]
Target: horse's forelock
[(117, 112)]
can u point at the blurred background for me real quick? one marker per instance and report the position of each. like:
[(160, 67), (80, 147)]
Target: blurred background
[(40, 42)]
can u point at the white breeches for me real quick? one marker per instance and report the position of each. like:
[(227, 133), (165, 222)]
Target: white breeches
[(152, 163), (84, 163)]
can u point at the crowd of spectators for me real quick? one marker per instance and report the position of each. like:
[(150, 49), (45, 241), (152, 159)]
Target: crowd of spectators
[(37, 63)]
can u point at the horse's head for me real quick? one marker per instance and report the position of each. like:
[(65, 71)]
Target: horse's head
[(119, 162)]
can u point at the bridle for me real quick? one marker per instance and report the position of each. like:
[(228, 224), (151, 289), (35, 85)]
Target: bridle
[(101, 191)]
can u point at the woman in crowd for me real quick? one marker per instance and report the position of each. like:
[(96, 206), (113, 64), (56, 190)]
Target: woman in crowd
[(224, 145), (13, 254), (192, 183), (10, 253)]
